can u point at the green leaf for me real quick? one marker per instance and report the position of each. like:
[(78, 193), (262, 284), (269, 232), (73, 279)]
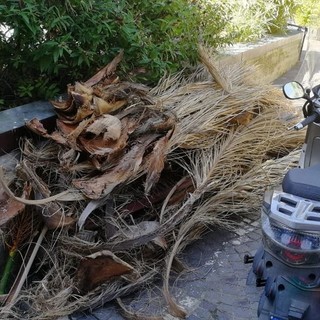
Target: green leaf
[(56, 55)]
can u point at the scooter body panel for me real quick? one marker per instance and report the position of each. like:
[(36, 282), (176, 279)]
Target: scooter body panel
[(310, 154)]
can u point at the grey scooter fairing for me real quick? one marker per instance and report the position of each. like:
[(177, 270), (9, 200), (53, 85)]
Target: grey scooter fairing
[(310, 153)]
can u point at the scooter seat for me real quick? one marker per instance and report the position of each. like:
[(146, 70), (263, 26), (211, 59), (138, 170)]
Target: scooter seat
[(304, 183)]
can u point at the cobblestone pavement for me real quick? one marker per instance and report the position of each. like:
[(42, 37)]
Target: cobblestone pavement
[(218, 289)]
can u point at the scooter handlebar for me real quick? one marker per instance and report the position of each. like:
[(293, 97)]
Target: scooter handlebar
[(313, 117)]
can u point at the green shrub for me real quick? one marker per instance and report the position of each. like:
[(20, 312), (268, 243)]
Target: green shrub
[(49, 43), (253, 19), (281, 13), (308, 13), (46, 44)]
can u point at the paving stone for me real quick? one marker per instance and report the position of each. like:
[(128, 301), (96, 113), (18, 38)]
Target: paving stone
[(194, 317), (207, 305), (202, 313), (254, 235), (245, 247), (234, 257), (221, 315)]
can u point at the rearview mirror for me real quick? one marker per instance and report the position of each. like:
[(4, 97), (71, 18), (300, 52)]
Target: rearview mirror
[(293, 90)]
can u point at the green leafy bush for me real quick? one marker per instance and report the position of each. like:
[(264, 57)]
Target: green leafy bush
[(49, 43), (46, 44), (308, 13), (253, 19)]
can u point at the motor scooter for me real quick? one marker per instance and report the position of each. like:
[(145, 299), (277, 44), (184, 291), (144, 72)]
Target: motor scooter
[(288, 262)]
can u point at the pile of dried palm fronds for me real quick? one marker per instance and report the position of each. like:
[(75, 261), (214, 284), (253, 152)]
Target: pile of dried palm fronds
[(130, 176)]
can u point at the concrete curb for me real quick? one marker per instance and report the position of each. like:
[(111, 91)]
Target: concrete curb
[(273, 56)]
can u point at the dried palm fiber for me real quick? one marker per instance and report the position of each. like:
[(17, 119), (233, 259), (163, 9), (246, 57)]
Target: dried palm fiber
[(50, 300), (242, 198), (204, 110), (229, 143), (231, 151), (55, 295)]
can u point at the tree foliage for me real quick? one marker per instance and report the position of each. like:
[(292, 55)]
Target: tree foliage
[(46, 44), (308, 13)]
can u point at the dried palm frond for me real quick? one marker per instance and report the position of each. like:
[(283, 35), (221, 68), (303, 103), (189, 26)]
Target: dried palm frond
[(193, 152), (219, 78), (242, 196)]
